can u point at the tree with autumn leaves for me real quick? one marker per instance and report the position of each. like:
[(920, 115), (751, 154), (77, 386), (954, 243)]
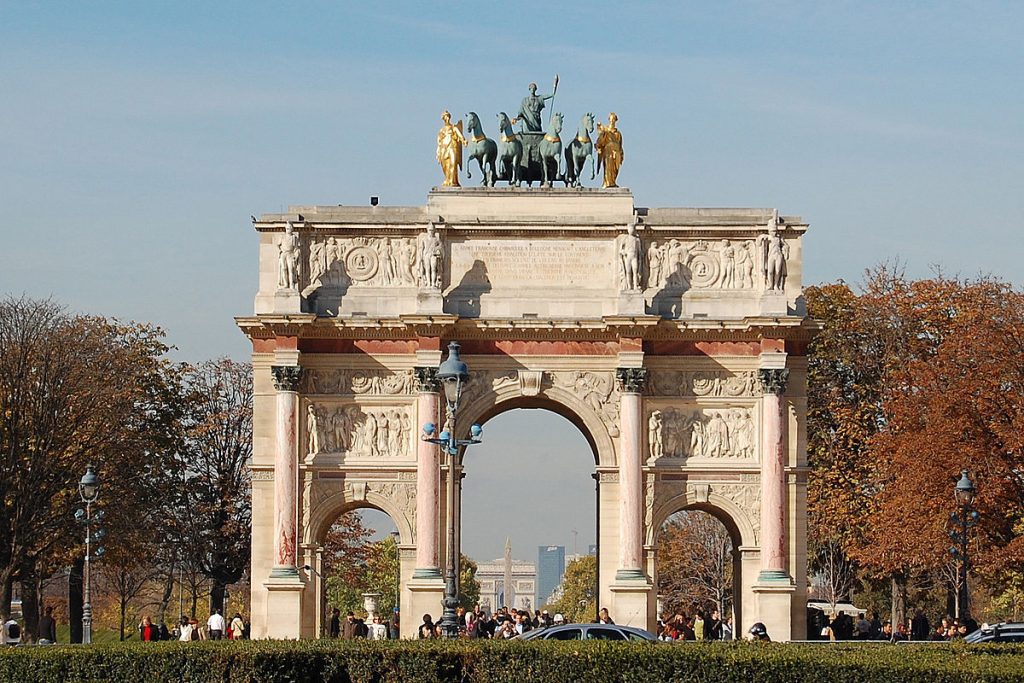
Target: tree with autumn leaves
[(910, 382)]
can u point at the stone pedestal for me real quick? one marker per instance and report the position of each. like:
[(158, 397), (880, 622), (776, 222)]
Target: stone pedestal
[(284, 614), (425, 596), (630, 602), (429, 300), (775, 610), (631, 303), (774, 304), (287, 301)]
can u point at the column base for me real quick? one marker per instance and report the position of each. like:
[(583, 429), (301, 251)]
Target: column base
[(630, 575), (285, 572), (283, 617), (426, 573), (774, 576)]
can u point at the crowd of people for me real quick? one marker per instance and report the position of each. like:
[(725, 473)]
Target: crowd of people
[(845, 627), (503, 624), (700, 625)]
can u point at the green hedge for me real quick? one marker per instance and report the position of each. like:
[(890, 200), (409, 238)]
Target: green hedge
[(488, 662)]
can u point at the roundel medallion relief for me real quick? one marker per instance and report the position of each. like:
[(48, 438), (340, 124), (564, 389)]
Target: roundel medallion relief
[(361, 263), (703, 270)]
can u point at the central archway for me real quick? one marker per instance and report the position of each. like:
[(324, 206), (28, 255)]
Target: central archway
[(529, 506)]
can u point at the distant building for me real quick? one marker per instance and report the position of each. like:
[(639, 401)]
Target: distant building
[(505, 582), (550, 568)]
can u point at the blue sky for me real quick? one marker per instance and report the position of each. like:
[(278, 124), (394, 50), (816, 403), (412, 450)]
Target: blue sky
[(137, 138)]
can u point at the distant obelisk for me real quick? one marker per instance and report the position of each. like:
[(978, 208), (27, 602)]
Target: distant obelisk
[(510, 591)]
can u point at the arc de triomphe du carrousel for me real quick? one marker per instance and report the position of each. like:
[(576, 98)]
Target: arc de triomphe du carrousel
[(674, 339)]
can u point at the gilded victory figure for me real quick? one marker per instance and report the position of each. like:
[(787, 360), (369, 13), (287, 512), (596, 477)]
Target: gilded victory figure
[(450, 141), (609, 150)]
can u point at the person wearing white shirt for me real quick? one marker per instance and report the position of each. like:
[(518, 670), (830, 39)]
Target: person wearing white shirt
[(215, 625), (185, 630)]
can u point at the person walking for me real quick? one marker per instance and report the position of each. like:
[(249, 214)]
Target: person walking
[(603, 617), (11, 633), (426, 630), (237, 627), (215, 625)]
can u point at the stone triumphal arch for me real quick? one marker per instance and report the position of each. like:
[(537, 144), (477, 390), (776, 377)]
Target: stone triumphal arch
[(674, 338)]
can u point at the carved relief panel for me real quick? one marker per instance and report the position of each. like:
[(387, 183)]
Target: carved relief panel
[(723, 434), (363, 262), (358, 431)]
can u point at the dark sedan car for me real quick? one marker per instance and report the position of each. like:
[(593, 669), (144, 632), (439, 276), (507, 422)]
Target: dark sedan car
[(588, 632), (997, 633)]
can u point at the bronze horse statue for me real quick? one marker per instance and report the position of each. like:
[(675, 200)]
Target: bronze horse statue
[(481, 148), (510, 152), (578, 151), (551, 150)]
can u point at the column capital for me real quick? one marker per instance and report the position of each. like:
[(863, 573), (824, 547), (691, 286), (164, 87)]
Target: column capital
[(633, 380), (286, 377), (773, 380), (426, 379)]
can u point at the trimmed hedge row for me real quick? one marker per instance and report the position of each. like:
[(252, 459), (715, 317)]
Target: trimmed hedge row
[(488, 662)]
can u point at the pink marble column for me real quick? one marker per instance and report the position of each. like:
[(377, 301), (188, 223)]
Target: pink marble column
[(631, 500), (286, 470), (773, 477), (427, 476)]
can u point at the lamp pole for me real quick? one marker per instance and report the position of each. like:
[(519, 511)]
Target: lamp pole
[(453, 374), (965, 518), (88, 491)]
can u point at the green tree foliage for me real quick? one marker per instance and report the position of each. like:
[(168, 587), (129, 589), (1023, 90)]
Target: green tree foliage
[(577, 598)]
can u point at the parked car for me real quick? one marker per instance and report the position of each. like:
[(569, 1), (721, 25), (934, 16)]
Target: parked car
[(997, 633), (588, 632)]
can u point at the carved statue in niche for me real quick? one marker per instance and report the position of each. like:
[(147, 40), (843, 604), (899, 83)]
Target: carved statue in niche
[(313, 429), (630, 253), (430, 255), (709, 433), (288, 259), (774, 252), (654, 435)]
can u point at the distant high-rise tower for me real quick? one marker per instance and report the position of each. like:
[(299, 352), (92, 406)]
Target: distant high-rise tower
[(550, 568), (510, 589)]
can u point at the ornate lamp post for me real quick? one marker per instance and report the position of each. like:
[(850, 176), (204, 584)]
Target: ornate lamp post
[(89, 491), (453, 374), (964, 519)]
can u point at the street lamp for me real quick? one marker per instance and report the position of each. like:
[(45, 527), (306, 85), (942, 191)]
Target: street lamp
[(453, 374), (398, 574), (966, 518), (89, 491)]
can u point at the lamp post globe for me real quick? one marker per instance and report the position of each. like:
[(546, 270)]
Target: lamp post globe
[(453, 374), (89, 485), (964, 490)]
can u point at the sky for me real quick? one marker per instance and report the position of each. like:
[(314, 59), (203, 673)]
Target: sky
[(137, 138)]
